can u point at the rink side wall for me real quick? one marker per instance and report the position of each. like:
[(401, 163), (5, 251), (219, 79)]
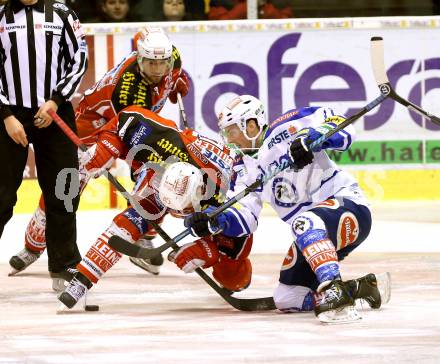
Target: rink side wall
[(294, 63)]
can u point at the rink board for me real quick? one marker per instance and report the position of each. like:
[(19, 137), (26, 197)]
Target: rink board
[(379, 185)]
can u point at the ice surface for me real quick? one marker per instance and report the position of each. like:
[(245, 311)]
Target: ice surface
[(177, 318)]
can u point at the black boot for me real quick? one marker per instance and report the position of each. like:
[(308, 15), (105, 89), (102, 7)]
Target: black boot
[(336, 297), (368, 289), (22, 260), (60, 278)]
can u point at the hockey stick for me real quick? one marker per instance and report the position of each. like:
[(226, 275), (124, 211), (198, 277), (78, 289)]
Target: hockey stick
[(242, 304), (182, 110), (77, 141), (125, 247), (378, 61), (251, 304)]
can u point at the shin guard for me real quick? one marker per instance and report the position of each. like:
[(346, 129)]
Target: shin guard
[(318, 250), (35, 235), (101, 257)]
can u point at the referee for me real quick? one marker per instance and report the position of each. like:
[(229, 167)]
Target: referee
[(43, 57)]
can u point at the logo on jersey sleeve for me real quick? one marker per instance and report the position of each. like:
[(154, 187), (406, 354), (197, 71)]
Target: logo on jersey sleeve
[(215, 153), (301, 224)]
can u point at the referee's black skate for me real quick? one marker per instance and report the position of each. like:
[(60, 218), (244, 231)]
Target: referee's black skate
[(59, 279), (22, 260), (75, 290), (374, 289), (337, 305)]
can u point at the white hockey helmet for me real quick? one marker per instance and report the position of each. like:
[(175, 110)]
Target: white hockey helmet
[(154, 46), (181, 187), (241, 109)]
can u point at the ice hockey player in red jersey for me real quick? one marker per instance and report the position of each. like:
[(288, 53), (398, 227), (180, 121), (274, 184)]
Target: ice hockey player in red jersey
[(177, 170), (146, 78)]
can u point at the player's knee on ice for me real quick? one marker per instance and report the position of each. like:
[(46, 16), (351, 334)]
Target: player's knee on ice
[(293, 298)]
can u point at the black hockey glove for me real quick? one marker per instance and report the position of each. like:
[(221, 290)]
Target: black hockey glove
[(301, 155), (201, 225)]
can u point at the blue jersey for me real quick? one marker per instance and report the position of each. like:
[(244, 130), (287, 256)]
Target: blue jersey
[(290, 193)]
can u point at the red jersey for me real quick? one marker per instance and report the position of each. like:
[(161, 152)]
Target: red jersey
[(142, 136), (120, 87)]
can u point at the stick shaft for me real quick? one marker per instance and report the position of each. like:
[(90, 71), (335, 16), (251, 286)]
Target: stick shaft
[(380, 75), (182, 110), (265, 303), (112, 179)]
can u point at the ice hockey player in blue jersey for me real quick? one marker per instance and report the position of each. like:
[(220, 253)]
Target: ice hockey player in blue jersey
[(324, 205)]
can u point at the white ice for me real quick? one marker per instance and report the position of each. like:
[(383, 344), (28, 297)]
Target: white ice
[(177, 318)]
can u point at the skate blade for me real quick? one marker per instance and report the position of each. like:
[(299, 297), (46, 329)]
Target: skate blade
[(62, 309), (79, 307), (59, 284), (13, 272), (384, 286), (153, 269), (345, 315)]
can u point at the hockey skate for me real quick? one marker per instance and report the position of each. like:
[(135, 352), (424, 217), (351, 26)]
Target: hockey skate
[(22, 260), (336, 306), (150, 265), (75, 290), (59, 279), (374, 289)]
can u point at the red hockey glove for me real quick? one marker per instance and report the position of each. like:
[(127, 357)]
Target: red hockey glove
[(199, 253), (181, 85), (100, 156)]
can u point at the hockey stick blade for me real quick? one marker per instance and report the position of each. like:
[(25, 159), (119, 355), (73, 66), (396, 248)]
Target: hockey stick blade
[(242, 304), (125, 247), (380, 75)]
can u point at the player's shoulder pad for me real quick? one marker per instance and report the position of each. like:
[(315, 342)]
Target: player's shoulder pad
[(61, 7), (64, 12), (288, 120)]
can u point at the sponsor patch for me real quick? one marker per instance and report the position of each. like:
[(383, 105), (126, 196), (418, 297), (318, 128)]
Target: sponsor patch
[(278, 138), (348, 230), (330, 204), (83, 46), (141, 133), (290, 258)]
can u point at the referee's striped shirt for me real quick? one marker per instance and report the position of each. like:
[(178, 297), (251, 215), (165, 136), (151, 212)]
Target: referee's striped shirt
[(43, 54)]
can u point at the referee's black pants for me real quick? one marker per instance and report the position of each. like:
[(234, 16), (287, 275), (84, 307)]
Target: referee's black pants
[(53, 152)]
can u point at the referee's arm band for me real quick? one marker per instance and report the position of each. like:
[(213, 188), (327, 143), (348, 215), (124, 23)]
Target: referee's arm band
[(58, 98), (5, 111)]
